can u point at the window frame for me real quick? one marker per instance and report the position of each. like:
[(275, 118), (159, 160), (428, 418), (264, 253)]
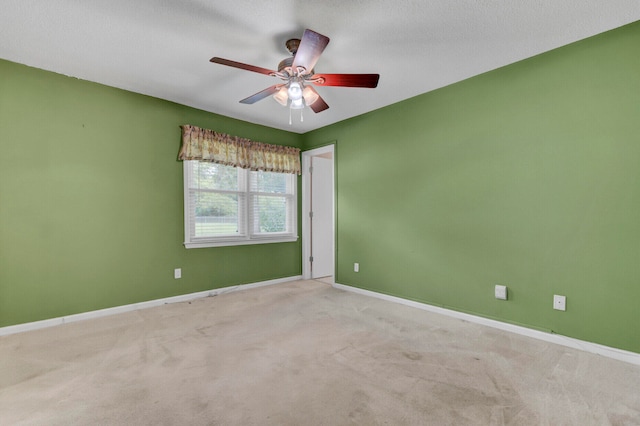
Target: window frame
[(248, 215)]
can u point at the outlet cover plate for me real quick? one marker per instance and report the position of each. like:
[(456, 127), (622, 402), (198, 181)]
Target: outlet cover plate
[(501, 292), (559, 302), (177, 273)]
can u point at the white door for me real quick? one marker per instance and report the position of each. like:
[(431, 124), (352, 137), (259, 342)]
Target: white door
[(321, 218)]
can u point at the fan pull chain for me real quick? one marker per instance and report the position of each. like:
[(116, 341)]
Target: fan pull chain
[(301, 119), (289, 116)]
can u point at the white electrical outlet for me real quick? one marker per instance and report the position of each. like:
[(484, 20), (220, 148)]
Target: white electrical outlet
[(501, 292), (356, 267), (559, 302), (177, 273)]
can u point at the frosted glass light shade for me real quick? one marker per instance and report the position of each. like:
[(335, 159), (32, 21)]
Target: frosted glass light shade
[(282, 97), (296, 104), (295, 91), (309, 95)]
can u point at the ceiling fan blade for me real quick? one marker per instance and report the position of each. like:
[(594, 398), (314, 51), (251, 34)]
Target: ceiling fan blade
[(311, 47), (319, 105), (348, 80), (262, 94), (242, 66)]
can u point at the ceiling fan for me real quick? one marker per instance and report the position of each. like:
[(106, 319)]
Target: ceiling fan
[(298, 75)]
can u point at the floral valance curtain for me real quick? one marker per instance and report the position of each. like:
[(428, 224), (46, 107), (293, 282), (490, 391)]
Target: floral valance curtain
[(207, 145)]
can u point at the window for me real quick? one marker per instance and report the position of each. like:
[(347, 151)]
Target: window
[(226, 205)]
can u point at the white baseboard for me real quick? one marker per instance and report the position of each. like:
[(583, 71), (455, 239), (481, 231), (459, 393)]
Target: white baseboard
[(19, 328), (618, 354)]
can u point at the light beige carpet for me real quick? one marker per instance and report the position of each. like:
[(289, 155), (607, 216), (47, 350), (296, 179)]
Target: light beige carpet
[(303, 353)]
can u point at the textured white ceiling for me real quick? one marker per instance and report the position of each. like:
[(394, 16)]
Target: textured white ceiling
[(162, 47)]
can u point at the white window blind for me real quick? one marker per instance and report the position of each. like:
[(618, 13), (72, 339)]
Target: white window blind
[(226, 205)]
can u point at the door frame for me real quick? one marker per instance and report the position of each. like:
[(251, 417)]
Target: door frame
[(306, 201)]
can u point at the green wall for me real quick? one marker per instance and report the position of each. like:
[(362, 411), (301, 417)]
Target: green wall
[(91, 201), (526, 176)]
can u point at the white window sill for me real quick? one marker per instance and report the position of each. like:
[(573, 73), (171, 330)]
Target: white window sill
[(239, 242)]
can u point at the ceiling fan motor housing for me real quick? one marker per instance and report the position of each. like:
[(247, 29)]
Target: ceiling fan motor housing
[(284, 64)]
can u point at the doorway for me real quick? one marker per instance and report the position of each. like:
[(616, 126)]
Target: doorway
[(318, 214)]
